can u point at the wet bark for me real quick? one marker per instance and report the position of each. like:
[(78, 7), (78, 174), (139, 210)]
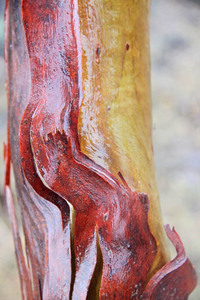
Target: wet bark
[(79, 140)]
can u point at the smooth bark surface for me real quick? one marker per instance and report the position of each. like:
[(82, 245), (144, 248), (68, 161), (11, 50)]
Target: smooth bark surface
[(80, 139)]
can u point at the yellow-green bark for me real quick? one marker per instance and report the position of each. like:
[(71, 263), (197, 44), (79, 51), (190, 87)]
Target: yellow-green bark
[(115, 123)]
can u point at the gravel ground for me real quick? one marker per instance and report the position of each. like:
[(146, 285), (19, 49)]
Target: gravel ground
[(175, 50), (175, 45)]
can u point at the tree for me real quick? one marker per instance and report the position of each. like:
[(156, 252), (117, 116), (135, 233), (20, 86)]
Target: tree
[(79, 138)]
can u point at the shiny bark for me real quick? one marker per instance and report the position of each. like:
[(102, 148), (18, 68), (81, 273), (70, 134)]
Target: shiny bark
[(79, 119)]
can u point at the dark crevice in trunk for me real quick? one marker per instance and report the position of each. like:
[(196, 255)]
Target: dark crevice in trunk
[(73, 267), (94, 287), (40, 287)]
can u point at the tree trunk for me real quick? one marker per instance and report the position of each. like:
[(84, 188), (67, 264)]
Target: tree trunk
[(79, 120)]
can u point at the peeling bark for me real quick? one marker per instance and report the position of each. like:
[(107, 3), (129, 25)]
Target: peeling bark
[(88, 232)]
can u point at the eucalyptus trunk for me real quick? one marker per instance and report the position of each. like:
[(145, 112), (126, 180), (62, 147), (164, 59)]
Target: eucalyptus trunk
[(80, 143)]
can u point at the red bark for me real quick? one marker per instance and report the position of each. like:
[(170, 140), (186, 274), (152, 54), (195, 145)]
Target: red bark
[(177, 279), (52, 175)]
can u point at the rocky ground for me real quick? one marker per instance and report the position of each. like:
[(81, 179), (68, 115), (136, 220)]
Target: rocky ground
[(175, 52)]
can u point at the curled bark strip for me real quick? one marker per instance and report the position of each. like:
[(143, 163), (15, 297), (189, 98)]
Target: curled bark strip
[(24, 272), (48, 248), (40, 277), (177, 279)]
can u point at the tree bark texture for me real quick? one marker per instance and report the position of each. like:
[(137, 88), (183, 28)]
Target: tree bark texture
[(79, 139)]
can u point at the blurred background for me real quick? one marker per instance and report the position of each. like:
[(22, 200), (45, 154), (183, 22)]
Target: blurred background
[(175, 56)]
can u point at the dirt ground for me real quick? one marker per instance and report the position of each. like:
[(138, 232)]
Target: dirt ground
[(175, 54)]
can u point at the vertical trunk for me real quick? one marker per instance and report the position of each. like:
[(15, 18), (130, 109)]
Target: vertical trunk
[(115, 116), (79, 119)]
